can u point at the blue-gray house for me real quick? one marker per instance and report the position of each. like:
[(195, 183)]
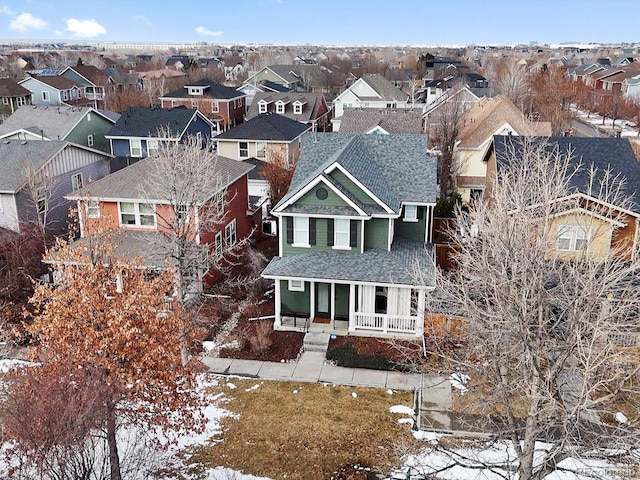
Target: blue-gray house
[(136, 133)]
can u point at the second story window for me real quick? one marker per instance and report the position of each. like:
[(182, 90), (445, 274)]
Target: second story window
[(280, 107), (301, 231), (215, 108), (261, 149), (243, 149), (341, 228), (137, 214), (262, 107), (410, 213), (182, 212), (135, 147), (45, 96), (76, 180), (152, 147), (89, 140), (297, 108)]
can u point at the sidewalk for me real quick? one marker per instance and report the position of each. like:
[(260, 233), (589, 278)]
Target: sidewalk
[(312, 367)]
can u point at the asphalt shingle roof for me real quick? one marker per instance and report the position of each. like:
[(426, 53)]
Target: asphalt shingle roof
[(145, 122), (395, 168), (311, 104), (384, 88), (615, 154), (379, 266), (54, 123), (266, 127), (133, 182), (362, 120), (15, 153), (213, 90), (10, 88)]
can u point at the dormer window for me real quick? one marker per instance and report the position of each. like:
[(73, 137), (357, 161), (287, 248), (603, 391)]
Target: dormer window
[(262, 107), (195, 90), (280, 107), (410, 213), (297, 108)]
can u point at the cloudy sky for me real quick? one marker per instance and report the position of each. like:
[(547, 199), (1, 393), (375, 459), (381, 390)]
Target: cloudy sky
[(353, 22)]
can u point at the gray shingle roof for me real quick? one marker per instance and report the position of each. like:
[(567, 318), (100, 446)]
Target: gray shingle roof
[(145, 122), (311, 101), (55, 123), (393, 267), (615, 154), (362, 120), (266, 127), (133, 182), (213, 90), (14, 154), (395, 168), (384, 88)]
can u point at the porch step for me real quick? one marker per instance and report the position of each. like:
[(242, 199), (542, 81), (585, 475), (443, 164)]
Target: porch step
[(316, 342)]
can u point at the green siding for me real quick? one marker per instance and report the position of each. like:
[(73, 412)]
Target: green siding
[(332, 199), (376, 233), (321, 241), (298, 302), (342, 300), (412, 230), (97, 126), (352, 187)]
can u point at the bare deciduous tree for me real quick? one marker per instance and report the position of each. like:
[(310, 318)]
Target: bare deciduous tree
[(548, 318), (512, 81)]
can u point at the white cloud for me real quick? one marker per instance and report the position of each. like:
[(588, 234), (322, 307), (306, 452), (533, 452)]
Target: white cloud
[(25, 22), (204, 31), (144, 20), (5, 10), (85, 28)]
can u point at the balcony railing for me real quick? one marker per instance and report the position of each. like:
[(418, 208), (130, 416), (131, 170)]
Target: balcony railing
[(386, 323)]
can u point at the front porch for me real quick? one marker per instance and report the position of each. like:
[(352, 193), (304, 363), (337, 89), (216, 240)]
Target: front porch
[(349, 309)]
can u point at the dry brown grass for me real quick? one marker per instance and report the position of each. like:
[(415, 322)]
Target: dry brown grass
[(309, 434), (475, 401)]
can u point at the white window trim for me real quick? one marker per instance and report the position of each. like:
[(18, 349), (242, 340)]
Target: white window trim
[(240, 150), (262, 107), (75, 184), (215, 107), (280, 107), (137, 216), (260, 150), (414, 215), (303, 230), (218, 246), (131, 147), (572, 230), (152, 146), (297, 109), (46, 97), (90, 140), (296, 288), (231, 226), (93, 206), (336, 232)]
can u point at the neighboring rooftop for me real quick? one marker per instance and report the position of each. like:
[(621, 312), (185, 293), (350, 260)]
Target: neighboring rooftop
[(384, 88), (133, 183), (364, 120), (266, 127), (211, 90), (10, 88), (145, 122), (311, 104), (18, 155), (614, 154)]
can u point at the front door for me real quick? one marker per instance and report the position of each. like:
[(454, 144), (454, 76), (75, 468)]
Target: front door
[(323, 300)]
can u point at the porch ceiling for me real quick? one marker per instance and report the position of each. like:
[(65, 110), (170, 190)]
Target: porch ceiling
[(375, 266)]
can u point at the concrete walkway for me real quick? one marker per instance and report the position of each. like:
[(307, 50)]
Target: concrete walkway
[(312, 367)]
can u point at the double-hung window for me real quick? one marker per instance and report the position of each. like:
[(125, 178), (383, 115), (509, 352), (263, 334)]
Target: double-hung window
[(152, 147), (135, 145), (137, 214), (89, 140), (93, 209), (76, 181), (261, 149), (341, 227), (218, 245), (297, 108), (262, 107), (243, 149), (301, 231), (230, 233), (280, 107), (573, 237)]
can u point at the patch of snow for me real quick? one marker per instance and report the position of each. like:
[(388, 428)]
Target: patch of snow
[(295, 392), (401, 409), (253, 387), (422, 435), (8, 364), (390, 392), (621, 418), (459, 381), (221, 473), (208, 345), (354, 394), (231, 385), (406, 420)]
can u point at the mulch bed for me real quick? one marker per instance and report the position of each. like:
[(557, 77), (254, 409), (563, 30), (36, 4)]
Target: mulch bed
[(375, 353)]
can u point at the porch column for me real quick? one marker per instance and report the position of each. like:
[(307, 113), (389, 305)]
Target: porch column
[(278, 321), (312, 299), (332, 302), (420, 311), (352, 307)]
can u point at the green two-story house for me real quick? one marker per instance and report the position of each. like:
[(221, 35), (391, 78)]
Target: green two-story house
[(354, 226)]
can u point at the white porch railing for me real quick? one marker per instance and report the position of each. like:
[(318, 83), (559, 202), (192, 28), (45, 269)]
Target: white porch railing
[(386, 323)]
